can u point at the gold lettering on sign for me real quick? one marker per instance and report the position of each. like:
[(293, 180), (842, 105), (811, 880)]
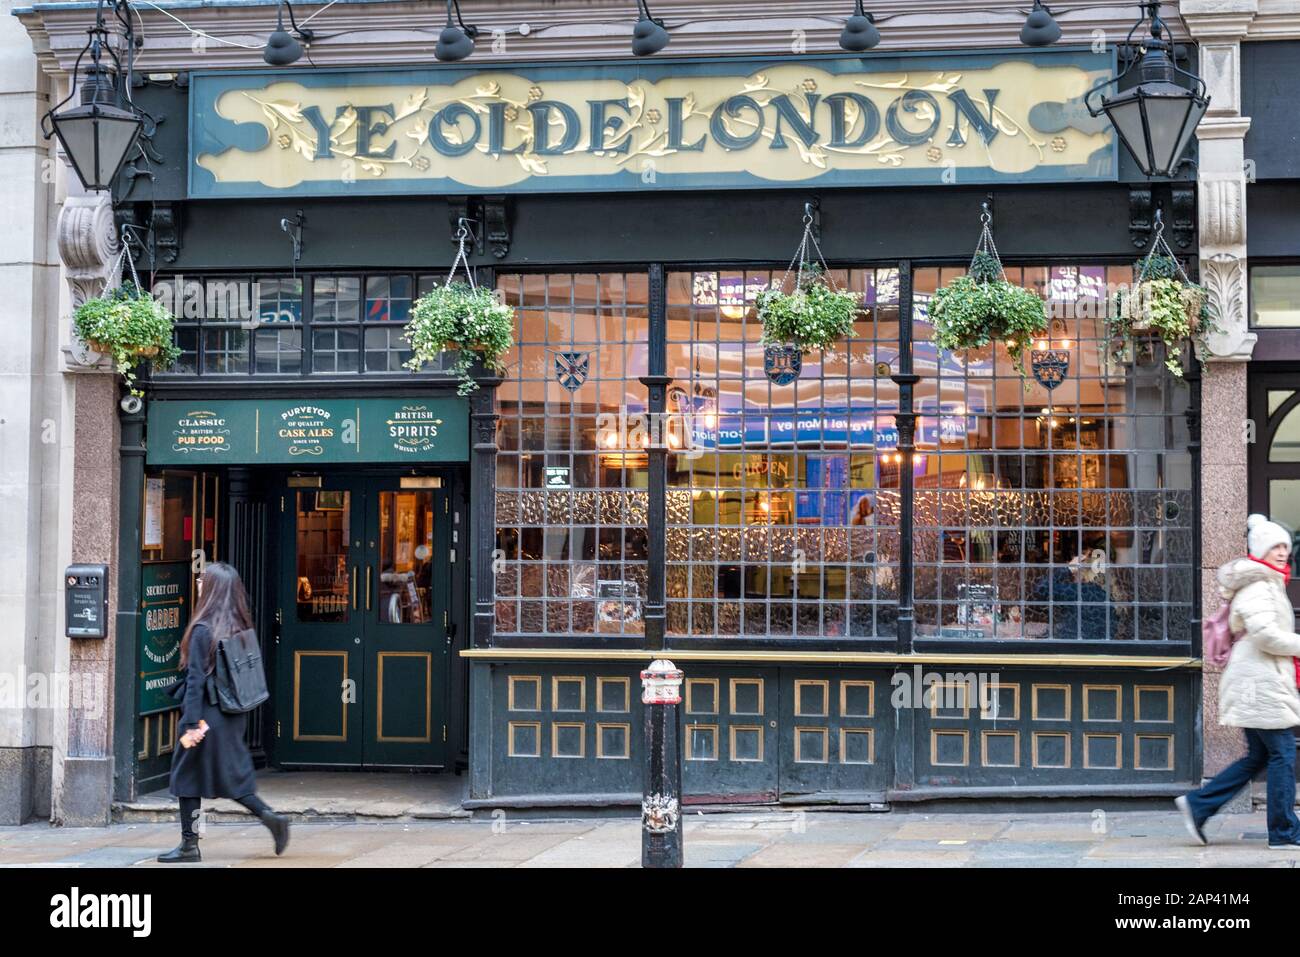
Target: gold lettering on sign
[(780, 123)]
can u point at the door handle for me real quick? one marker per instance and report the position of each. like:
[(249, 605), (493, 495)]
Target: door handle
[(354, 587), (367, 588)]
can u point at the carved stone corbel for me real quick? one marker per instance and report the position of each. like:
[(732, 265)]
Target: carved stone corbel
[(1223, 212), (1224, 278), (89, 249)]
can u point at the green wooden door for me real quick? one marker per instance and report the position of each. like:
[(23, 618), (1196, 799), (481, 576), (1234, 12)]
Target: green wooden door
[(408, 588), (322, 629), (365, 601)]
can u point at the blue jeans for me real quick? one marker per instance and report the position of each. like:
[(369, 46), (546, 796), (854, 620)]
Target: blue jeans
[(1274, 750)]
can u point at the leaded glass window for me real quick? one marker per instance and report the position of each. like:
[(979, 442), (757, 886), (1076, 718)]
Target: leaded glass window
[(571, 502), (783, 512), (1045, 508), (348, 323)]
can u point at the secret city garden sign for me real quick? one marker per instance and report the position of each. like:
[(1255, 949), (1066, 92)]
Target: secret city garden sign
[(684, 124)]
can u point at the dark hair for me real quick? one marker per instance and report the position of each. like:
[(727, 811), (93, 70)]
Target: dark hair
[(222, 608)]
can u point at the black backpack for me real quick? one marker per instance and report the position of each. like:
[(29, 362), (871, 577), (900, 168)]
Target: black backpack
[(238, 682)]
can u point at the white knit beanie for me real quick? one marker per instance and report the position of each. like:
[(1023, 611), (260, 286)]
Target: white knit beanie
[(1262, 535)]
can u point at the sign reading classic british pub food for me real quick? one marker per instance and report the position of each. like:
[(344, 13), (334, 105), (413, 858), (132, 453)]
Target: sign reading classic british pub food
[(676, 124), (203, 433)]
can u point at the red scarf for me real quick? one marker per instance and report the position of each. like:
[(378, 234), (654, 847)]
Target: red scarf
[(1285, 572)]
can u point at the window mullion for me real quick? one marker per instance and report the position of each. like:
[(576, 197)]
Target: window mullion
[(906, 381), (656, 384)]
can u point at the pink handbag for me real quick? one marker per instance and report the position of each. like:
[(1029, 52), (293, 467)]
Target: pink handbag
[(1217, 637)]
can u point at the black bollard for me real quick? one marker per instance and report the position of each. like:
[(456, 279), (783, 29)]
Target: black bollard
[(661, 813)]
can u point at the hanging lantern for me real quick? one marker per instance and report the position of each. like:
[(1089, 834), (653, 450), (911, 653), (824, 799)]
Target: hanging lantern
[(1156, 118), (99, 133)]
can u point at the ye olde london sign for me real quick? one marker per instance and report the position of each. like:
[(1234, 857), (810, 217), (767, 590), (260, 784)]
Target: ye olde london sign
[(677, 124)]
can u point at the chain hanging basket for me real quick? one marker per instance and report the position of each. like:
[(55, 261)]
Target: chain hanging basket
[(984, 306), (128, 325), (1163, 303), (813, 314), (463, 318)]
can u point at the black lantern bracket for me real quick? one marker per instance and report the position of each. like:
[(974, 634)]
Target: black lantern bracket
[(1156, 117), (294, 228), (105, 126)]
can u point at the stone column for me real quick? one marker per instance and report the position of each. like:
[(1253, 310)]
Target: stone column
[(30, 433), (83, 757), (1218, 27)]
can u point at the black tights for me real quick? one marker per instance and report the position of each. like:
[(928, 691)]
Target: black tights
[(190, 811)]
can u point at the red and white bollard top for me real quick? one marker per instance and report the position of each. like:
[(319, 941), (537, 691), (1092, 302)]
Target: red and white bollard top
[(661, 683)]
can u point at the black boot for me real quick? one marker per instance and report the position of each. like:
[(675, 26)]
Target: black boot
[(186, 851), (278, 825)]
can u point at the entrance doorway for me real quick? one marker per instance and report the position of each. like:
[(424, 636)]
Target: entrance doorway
[(364, 612), (1274, 407)]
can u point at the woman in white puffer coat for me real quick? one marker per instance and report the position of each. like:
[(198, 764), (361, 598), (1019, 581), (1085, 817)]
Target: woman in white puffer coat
[(1257, 691)]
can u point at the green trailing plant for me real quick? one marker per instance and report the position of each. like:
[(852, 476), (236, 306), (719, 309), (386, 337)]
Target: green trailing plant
[(129, 326), (1162, 302), (467, 320), (813, 316), (983, 307)]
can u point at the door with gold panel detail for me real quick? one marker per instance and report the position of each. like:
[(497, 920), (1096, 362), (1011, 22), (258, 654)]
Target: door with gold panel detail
[(364, 606), (320, 651), (406, 598)]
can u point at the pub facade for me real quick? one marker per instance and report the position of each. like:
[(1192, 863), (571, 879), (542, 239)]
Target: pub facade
[(890, 572)]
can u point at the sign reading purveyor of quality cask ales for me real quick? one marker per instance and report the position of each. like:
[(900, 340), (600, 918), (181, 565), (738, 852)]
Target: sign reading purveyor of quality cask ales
[(678, 124), (306, 431)]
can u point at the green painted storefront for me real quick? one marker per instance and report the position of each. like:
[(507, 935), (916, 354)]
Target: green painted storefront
[(298, 448)]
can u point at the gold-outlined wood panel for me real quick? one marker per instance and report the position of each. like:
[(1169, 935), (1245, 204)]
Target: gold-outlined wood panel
[(825, 735), (1137, 751), (428, 698), (511, 727), (555, 738), (512, 696), (1117, 690), (1042, 735), (1036, 687), (731, 741), (711, 730), (846, 733), (936, 734), (822, 684), (167, 731), (845, 685), (1090, 736), (298, 655), (692, 684), (601, 727), (1167, 690), (736, 683), (556, 681), (985, 736), (935, 698), (989, 701), (601, 683)]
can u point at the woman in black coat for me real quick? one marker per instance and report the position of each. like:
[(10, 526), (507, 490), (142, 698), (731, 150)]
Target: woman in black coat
[(213, 760)]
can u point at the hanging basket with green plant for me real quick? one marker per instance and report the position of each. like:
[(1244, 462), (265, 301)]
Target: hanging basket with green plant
[(129, 326), (1162, 302), (461, 318), (813, 314), (984, 306)]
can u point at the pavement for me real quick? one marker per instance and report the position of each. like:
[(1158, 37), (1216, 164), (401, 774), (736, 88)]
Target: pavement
[(760, 838)]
